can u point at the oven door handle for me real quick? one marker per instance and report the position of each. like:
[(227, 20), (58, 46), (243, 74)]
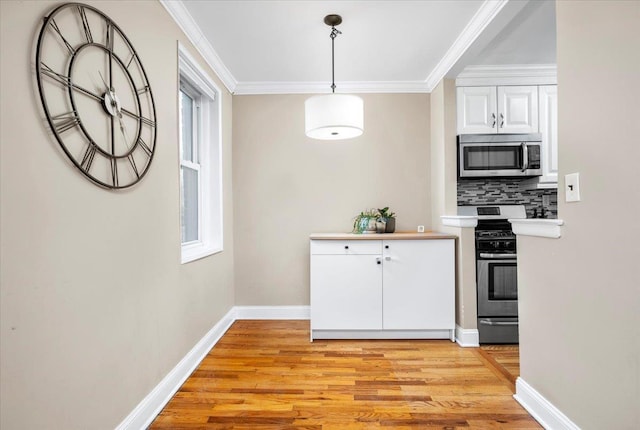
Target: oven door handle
[(497, 256), (504, 323)]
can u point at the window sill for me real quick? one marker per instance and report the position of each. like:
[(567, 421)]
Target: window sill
[(196, 252), (537, 227)]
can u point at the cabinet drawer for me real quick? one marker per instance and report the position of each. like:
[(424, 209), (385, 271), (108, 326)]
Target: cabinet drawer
[(346, 247)]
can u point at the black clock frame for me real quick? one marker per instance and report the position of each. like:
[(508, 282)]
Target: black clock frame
[(68, 120)]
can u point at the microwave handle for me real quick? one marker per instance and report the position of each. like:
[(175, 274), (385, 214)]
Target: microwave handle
[(525, 156)]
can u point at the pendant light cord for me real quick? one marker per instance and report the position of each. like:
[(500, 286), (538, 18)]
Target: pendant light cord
[(333, 35)]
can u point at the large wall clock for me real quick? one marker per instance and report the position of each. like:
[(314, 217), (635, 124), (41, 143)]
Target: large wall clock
[(96, 95)]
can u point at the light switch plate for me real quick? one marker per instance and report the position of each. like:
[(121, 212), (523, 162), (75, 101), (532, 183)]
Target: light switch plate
[(572, 187)]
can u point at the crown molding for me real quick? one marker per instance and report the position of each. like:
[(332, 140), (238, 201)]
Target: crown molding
[(255, 88), (181, 16), (484, 15), (487, 11), (514, 74)]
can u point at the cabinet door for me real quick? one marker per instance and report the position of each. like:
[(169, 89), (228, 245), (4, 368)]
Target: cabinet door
[(476, 110), (549, 131), (518, 109), (418, 284), (346, 292)]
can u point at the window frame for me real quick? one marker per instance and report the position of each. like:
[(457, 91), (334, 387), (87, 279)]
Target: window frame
[(196, 133), (208, 133)]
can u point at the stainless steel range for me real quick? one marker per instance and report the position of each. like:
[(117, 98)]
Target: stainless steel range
[(496, 271)]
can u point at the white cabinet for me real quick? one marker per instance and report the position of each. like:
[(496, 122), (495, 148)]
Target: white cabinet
[(382, 288), (548, 109), (417, 279), (477, 110), (505, 109), (518, 109), (350, 273), (549, 131)]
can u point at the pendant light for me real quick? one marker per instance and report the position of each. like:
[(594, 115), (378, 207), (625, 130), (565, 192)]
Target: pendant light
[(334, 116)]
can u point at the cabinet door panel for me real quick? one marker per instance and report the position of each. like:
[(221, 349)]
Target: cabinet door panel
[(549, 131), (476, 110), (346, 292), (518, 109), (419, 284)]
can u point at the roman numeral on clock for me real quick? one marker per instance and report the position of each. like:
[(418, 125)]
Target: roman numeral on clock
[(133, 165), (114, 171), (65, 121), (144, 147), (85, 24), (87, 159), (54, 26)]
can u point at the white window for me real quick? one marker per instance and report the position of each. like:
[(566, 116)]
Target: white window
[(200, 161)]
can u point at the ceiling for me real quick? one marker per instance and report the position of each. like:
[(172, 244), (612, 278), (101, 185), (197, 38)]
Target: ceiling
[(385, 46)]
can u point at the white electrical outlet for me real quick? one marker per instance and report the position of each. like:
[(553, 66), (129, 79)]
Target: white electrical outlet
[(572, 187), (420, 229)]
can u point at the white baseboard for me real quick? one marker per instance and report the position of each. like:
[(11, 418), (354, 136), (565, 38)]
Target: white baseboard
[(541, 409), (467, 338), (146, 411), (273, 312)]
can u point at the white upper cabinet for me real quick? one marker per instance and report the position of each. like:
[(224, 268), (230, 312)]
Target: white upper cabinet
[(490, 110), (549, 131), (477, 110), (518, 109)]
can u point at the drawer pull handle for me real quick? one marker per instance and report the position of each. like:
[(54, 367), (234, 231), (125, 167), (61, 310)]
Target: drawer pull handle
[(378, 261), (346, 247), (386, 247), (505, 323)]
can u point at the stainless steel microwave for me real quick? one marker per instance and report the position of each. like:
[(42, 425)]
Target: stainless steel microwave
[(499, 155)]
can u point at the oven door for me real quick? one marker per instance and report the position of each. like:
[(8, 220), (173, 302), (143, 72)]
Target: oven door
[(497, 286)]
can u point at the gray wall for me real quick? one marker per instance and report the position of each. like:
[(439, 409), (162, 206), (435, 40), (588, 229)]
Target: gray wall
[(579, 295), (95, 306), (287, 186)]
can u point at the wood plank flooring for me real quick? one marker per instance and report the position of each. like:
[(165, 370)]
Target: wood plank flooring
[(267, 375), (506, 358)]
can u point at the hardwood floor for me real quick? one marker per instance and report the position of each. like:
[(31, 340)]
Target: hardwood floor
[(267, 375), (505, 358)]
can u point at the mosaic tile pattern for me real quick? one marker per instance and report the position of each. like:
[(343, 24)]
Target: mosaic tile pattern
[(507, 191)]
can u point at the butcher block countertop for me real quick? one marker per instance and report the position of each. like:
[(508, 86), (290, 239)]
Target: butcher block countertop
[(429, 235)]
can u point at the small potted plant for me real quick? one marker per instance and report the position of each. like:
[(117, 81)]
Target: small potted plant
[(389, 218), (365, 222)]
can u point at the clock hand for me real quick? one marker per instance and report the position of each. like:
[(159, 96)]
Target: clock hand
[(112, 105), (105, 84), (123, 129), (111, 101)]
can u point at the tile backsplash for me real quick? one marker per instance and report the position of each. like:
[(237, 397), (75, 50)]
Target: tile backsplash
[(507, 191)]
